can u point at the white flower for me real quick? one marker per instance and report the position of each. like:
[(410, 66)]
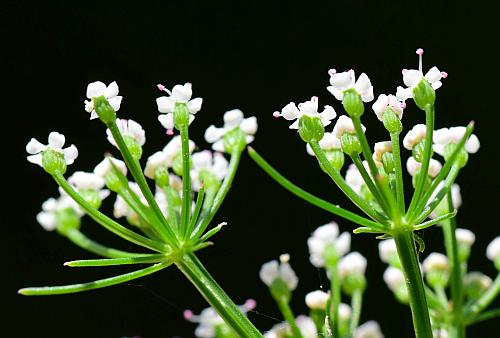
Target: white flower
[(166, 104), (353, 177), (128, 128), (56, 143), (317, 299), (155, 161), (206, 162), (273, 270), (385, 102), (379, 150), (465, 236), (122, 209), (478, 279), (414, 136), (47, 217), (413, 166), (344, 125), (340, 82), (453, 135), (328, 142), (493, 250), (435, 262), (412, 77), (309, 108), (232, 119), (281, 330), (174, 147), (442, 207), (352, 264), (387, 250), (345, 312), (370, 329), (97, 89), (323, 237), (394, 278), (89, 181), (105, 167)]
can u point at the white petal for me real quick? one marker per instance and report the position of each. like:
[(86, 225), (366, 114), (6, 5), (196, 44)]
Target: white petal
[(191, 119), (219, 146), (47, 220), (213, 134), (95, 89), (249, 125), (368, 95), (290, 112), (339, 94), (232, 119), (310, 107), (363, 84), (403, 93), (135, 130), (115, 102), (202, 160), (112, 90), (249, 139), (35, 147), (182, 93), (412, 77), (93, 115), (433, 75), (439, 149), (70, 154), (472, 145), (165, 104), (36, 159), (342, 80), (309, 150), (56, 140), (436, 85), (288, 276), (167, 120), (269, 272), (434, 167), (328, 113), (294, 125), (194, 105)]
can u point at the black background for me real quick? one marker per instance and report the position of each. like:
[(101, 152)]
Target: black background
[(254, 55)]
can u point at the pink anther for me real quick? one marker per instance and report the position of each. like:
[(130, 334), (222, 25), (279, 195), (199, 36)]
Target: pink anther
[(276, 114), (420, 51), (250, 304), (444, 75), (188, 314)]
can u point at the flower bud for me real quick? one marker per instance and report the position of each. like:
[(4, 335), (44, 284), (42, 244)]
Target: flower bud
[(162, 177), (92, 197), (114, 182), (352, 272), (311, 128), (353, 104), (419, 150), (67, 219), (388, 252), (424, 95), (465, 239), (436, 269), (388, 162), (476, 283), (181, 115), (133, 146), (392, 122), (493, 252), (104, 110), (316, 300), (53, 161), (235, 141), (350, 144), (336, 158), (395, 280), (461, 158)]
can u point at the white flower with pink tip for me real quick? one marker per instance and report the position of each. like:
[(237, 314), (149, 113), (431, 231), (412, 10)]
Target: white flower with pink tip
[(444, 136), (207, 162), (414, 136), (232, 119), (128, 128), (309, 108), (97, 89), (178, 94), (385, 102), (340, 82), (56, 143)]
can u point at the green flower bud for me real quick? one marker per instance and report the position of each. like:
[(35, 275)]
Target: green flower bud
[(67, 219), (402, 294), (475, 284), (210, 182), (162, 177), (353, 282), (311, 128), (114, 182), (133, 146), (336, 158), (437, 269), (92, 197), (350, 144), (424, 95), (392, 122), (462, 156), (419, 150), (353, 104), (388, 162), (104, 110), (181, 115), (53, 161), (279, 290), (235, 140), (177, 163)]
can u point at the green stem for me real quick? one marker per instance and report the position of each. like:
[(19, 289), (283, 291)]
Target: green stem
[(484, 316), (403, 236), (163, 228), (396, 153), (105, 221), (356, 305), (155, 258), (172, 215), (436, 220), (449, 226), (186, 179), (197, 208), (333, 311), (339, 180), (429, 125), (482, 303), (289, 316), (216, 297), (321, 203), (86, 243)]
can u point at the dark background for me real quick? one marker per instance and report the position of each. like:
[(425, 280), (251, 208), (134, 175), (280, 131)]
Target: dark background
[(254, 55)]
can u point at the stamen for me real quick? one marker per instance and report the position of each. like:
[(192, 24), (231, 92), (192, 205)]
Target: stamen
[(332, 71), (169, 132), (250, 304), (276, 114), (402, 105), (444, 75), (188, 315), (163, 89), (420, 52), (284, 258)]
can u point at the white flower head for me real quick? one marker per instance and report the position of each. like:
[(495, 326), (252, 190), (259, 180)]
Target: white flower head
[(387, 250), (385, 102), (273, 270), (86, 181), (465, 236), (352, 264), (370, 329), (317, 299), (308, 108), (435, 262), (56, 143), (105, 166), (394, 278), (97, 89), (379, 149), (179, 94), (155, 161), (412, 77), (340, 82), (444, 136), (128, 128), (344, 125), (414, 136), (232, 119), (493, 250), (323, 237), (207, 162), (413, 166), (47, 217), (328, 142)]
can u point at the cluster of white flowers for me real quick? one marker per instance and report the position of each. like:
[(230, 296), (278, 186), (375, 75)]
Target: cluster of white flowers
[(233, 119), (308, 108), (327, 236), (47, 218), (206, 162)]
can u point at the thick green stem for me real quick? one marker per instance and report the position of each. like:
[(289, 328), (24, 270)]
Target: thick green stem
[(356, 305), (482, 303), (186, 179), (396, 153), (287, 313), (216, 297), (456, 281), (403, 236)]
